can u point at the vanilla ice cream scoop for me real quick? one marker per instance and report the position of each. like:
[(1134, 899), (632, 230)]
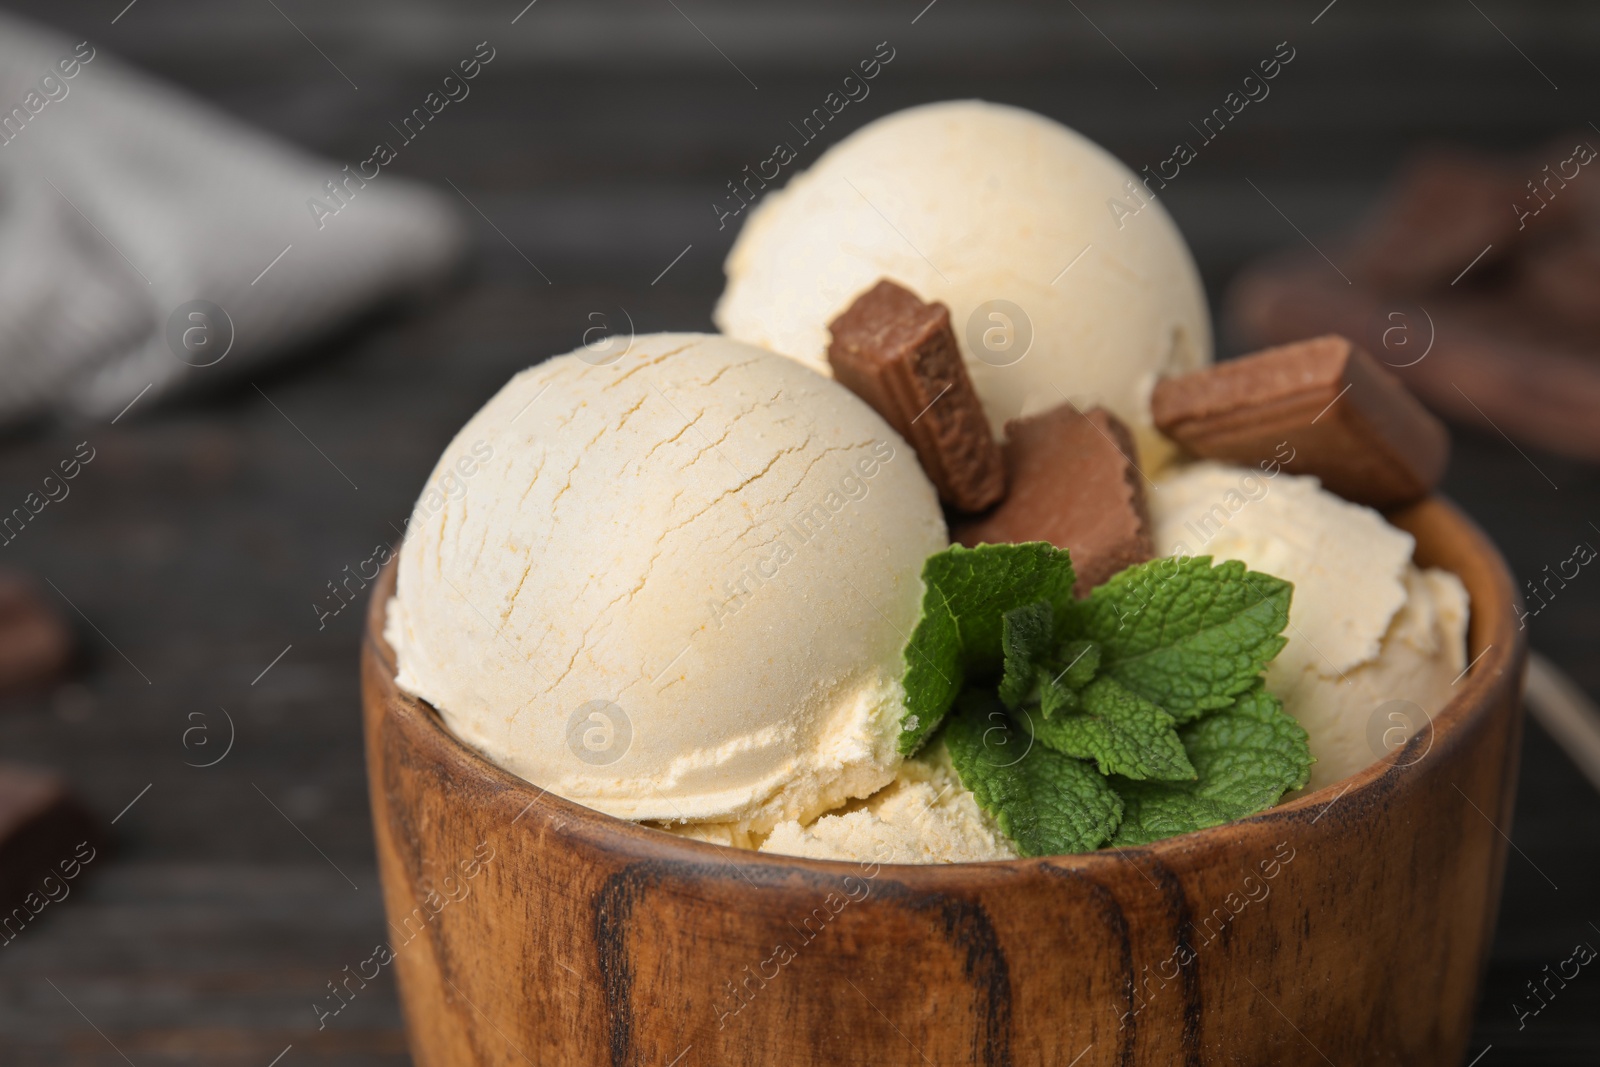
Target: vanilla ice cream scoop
[(1065, 278), (1374, 643), (673, 584)]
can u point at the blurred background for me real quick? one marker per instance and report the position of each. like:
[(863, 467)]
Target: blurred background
[(206, 716)]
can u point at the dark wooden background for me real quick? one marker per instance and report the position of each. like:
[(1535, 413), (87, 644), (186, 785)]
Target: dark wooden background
[(199, 539)]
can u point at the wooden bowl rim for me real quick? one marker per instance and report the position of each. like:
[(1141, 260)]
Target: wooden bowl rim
[(1502, 651)]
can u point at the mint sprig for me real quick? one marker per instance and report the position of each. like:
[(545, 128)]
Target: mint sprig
[(1184, 634), (1038, 667), (1048, 803), (966, 594), (1027, 639), (1118, 729), (1147, 693), (1246, 757)]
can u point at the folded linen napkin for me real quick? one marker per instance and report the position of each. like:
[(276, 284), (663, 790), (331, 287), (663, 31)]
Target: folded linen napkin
[(131, 213)]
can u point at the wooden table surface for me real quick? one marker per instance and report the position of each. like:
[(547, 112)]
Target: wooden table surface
[(199, 539)]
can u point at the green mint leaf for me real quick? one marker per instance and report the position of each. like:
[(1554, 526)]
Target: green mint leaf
[(1061, 678), (933, 672), (1048, 803), (1035, 668), (1247, 757), (1082, 662), (1118, 729), (1184, 634), (1028, 636), (1056, 699), (966, 593)]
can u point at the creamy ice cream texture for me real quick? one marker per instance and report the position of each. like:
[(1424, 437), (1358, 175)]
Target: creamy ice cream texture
[(1064, 279), (677, 584), (677, 589), (1366, 626), (924, 816)]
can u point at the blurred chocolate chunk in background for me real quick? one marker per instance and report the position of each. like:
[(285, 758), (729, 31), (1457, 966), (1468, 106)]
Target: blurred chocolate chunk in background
[(36, 645), (1476, 280), (47, 840)]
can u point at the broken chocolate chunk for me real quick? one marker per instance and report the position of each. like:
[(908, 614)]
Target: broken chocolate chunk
[(35, 642), (1558, 286), (1338, 414), (1446, 208), (46, 837), (900, 356), (1075, 482)]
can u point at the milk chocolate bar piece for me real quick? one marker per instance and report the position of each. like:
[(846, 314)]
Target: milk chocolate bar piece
[(1075, 482), (43, 832), (35, 643), (1445, 209), (900, 355), (1322, 407), (1560, 284)]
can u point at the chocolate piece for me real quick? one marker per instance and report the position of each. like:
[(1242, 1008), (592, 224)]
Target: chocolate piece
[(1540, 393), (900, 355), (41, 830), (1075, 482), (1561, 285), (1322, 407), (1445, 209), (35, 643)]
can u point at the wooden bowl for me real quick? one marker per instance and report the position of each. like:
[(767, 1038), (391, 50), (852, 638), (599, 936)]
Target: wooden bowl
[(1349, 926)]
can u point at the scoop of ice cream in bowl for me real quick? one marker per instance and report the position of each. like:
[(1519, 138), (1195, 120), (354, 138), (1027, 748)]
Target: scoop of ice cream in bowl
[(870, 685), (703, 552)]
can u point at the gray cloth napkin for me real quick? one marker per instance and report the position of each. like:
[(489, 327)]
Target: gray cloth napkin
[(131, 213)]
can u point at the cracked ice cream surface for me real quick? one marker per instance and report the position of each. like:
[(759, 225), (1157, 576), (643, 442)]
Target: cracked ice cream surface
[(678, 590), (924, 816)]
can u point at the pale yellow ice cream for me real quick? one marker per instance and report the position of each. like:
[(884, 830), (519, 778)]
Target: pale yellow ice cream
[(924, 816), (1065, 279), (678, 587), (1367, 628), (1374, 646)]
